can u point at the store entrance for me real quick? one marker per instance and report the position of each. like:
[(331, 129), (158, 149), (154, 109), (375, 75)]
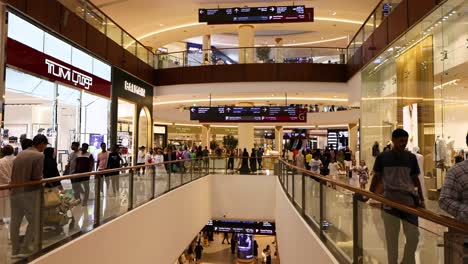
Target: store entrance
[(125, 129), (63, 114)]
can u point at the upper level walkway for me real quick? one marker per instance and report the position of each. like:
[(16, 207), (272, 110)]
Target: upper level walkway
[(190, 192)]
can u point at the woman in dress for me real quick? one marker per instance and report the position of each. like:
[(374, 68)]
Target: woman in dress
[(245, 163), (253, 161)]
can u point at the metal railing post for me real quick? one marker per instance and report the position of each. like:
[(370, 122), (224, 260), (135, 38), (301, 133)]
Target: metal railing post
[(191, 170), (292, 185), (153, 182), (97, 199), (357, 231), (130, 189), (169, 177), (322, 210), (303, 194)]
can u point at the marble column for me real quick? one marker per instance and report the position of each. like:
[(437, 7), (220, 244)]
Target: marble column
[(246, 44), (245, 134)]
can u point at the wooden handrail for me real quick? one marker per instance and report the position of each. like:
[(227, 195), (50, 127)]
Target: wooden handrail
[(420, 212)]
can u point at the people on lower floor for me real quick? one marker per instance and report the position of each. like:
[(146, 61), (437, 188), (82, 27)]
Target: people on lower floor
[(6, 165), (26, 202), (233, 244), (198, 252), (225, 237)]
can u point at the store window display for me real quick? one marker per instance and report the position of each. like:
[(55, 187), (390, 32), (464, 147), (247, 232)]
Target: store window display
[(419, 84), (54, 89)]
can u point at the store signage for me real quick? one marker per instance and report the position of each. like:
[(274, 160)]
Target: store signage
[(24, 57), (68, 74), (133, 88), (249, 15), (258, 114), (184, 129)]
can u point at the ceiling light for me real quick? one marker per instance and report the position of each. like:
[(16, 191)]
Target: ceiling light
[(161, 25), (316, 42), (277, 98), (334, 14)]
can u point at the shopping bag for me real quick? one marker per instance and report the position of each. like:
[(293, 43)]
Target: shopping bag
[(51, 197)]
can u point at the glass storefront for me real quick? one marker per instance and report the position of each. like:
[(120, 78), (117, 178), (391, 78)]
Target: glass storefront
[(419, 84), (125, 129), (54, 89)]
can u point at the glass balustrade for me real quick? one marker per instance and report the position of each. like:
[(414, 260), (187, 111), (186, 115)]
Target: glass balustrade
[(37, 217)]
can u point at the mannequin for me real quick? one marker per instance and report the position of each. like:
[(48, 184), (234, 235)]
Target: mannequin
[(450, 151), (440, 150), (420, 159)]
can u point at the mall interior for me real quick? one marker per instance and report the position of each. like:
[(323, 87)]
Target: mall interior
[(218, 110)]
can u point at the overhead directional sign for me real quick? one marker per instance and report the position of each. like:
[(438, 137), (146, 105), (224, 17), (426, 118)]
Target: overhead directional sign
[(248, 114), (270, 14)]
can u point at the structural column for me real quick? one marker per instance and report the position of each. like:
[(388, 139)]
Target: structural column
[(279, 138), (279, 50), (207, 48), (3, 29), (352, 130), (245, 133), (246, 44), (205, 136)]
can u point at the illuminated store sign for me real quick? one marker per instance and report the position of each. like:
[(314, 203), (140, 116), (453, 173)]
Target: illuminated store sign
[(68, 74), (133, 88), (24, 57)]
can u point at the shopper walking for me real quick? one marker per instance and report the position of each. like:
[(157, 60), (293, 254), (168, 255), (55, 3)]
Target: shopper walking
[(225, 237), (363, 174), (26, 201), (315, 164), (103, 157), (396, 174), (454, 195), (51, 167), (198, 252), (115, 161), (253, 161), (255, 250), (6, 165), (84, 164), (268, 254), (245, 163), (230, 165), (233, 243), (260, 158)]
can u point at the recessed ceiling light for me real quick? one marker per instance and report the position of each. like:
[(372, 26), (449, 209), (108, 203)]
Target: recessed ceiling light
[(161, 25), (334, 13)]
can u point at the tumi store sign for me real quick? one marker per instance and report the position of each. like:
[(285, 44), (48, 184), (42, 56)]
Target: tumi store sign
[(34, 61)]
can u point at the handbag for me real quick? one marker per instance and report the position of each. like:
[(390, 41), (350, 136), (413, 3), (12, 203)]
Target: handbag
[(51, 197)]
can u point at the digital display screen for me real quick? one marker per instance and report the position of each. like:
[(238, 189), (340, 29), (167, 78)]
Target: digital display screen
[(247, 227), (245, 246), (248, 114), (270, 14)]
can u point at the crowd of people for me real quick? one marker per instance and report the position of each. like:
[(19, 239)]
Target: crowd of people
[(330, 162), (37, 161)]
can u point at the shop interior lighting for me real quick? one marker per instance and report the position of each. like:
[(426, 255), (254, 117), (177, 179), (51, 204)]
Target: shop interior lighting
[(278, 98), (452, 82)]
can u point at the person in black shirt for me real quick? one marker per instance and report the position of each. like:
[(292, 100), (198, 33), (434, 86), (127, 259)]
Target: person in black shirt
[(115, 161), (396, 178), (260, 157), (50, 168)]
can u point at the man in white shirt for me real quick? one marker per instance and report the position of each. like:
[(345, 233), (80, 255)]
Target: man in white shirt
[(315, 165)]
